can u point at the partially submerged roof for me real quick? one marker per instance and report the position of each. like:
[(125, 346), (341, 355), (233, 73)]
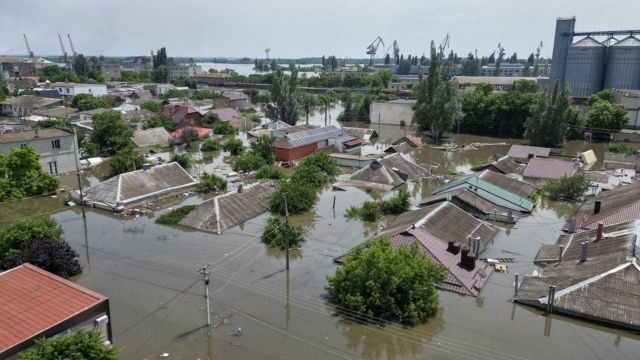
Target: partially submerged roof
[(411, 140), (34, 300), (311, 136), (504, 165), (27, 135), (140, 185), (365, 134), (496, 188), (474, 204), (539, 168), (605, 287), (620, 159), (525, 151), (153, 136), (615, 206), (225, 211), (386, 173)]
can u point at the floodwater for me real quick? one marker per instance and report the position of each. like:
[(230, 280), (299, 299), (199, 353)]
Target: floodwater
[(261, 311), (247, 69)]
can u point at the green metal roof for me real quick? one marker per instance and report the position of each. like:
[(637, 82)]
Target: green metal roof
[(488, 187)]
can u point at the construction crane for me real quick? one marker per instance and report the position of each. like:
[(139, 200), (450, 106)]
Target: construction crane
[(444, 44), (372, 49), (28, 47), (64, 51), (73, 50)]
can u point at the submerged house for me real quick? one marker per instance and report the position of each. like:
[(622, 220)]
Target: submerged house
[(549, 169), (486, 195), (503, 165), (593, 275), (225, 211), (386, 173), (364, 134), (296, 145), (449, 236), (137, 187), (526, 152)]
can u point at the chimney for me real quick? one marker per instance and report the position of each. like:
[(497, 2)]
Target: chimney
[(467, 261), (584, 248), (452, 248), (596, 207), (531, 156), (600, 231), (36, 133), (240, 189)]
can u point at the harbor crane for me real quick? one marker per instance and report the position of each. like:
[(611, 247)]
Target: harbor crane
[(372, 49), (444, 44), (396, 49), (538, 52), (28, 47), (73, 50), (64, 51)]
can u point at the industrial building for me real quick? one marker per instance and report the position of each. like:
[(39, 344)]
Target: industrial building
[(588, 65)]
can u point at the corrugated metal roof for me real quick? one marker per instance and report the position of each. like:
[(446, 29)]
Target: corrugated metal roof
[(475, 181), (630, 41), (588, 41), (312, 136)]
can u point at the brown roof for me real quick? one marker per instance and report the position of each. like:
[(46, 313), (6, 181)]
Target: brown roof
[(524, 151), (539, 168), (225, 211), (151, 136), (142, 94), (512, 185), (235, 95), (34, 300), (226, 114), (32, 101), (59, 112), (504, 165), (386, 173), (605, 287), (26, 135), (472, 203)]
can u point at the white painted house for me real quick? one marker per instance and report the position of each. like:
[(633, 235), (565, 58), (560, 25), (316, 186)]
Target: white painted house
[(57, 147), (67, 90)]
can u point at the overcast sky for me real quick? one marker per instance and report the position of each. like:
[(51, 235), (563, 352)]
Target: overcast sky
[(297, 28)]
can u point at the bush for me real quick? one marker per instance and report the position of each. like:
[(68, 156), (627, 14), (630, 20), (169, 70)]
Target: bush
[(152, 106), (270, 172), (110, 132), (310, 174), (248, 162), (569, 189), (277, 231), (301, 197), (173, 217), (234, 146), (380, 281), (626, 149), (323, 161), (211, 145), (56, 257), (159, 121), (224, 128), (369, 211), (211, 119), (15, 235), (211, 183), (184, 159), (188, 136), (397, 204), (81, 344)]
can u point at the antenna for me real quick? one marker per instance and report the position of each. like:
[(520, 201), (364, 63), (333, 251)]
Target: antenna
[(28, 47)]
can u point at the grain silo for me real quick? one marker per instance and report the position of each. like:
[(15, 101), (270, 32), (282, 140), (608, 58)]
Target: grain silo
[(585, 67), (623, 65)]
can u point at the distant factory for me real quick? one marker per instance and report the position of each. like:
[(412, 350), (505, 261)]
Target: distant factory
[(589, 65)]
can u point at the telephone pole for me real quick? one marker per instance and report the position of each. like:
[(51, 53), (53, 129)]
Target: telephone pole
[(205, 270), (286, 233)]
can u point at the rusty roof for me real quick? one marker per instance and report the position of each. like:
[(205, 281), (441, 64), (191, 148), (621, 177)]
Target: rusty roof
[(136, 186), (605, 287), (27, 135), (225, 211), (539, 168), (524, 151), (34, 300)]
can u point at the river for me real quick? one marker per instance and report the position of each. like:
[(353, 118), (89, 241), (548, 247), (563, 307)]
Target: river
[(247, 69), (156, 296)]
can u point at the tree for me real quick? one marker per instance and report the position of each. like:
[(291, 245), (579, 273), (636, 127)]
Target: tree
[(56, 257), (188, 136), (183, 159), (387, 59), (263, 147), (110, 132), (322, 161), (571, 188), (80, 65), (602, 95), (550, 115), (274, 65), (308, 102), (437, 105), (278, 231), (270, 172), (211, 145), (605, 117), (160, 74), (211, 183), (21, 175), (233, 146), (159, 121), (300, 197), (82, 344), (152, 106), (248, 161), (391, 283), (18, 233), (160, 59), (284, 104), (125, 160)]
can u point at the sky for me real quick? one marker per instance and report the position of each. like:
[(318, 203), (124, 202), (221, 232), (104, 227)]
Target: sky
[(298, 28)]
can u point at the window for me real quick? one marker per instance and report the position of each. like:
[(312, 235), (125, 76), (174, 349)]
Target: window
[(53, 167), (68, 90), (55, 144)]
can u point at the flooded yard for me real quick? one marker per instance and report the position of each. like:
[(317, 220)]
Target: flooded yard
[(261, 311)]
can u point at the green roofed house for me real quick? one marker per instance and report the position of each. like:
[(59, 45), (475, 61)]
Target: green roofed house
[(488, 193)]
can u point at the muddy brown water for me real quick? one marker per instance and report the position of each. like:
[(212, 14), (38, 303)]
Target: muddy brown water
[(149, 273)]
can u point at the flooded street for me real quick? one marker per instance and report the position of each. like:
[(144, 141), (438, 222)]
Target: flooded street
[(149, 273)]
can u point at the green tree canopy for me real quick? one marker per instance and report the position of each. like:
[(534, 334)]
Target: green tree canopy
[(391, 283), (20, 232), (263, 147), (110, 132), (606, 117), (80, 65), (125, 160), (300, 197), (567, 188), (82, 344), (152, 106), (550, 116), (21, 175), (184, 159), (234, 146), (284, 104), (159, 121), (277, 231)]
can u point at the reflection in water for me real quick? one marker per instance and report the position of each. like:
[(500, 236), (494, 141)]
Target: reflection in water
[(391, 341)]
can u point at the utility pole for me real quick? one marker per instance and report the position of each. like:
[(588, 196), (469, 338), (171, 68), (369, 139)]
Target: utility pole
[(75, 151), (205, 270), (286, 234)]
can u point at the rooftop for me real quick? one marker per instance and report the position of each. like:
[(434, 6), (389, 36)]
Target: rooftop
[(525, 151), (226, 114), (26, 135), (386, 173), (549, 169), (151, 136), (31, 101), (493, 80), (34, 300), (616, 206), (306, 137), (235, 95)]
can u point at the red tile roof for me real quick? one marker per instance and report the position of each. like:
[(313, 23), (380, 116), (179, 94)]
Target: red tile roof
[(201, 131), (33, 300), (610, 216)]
